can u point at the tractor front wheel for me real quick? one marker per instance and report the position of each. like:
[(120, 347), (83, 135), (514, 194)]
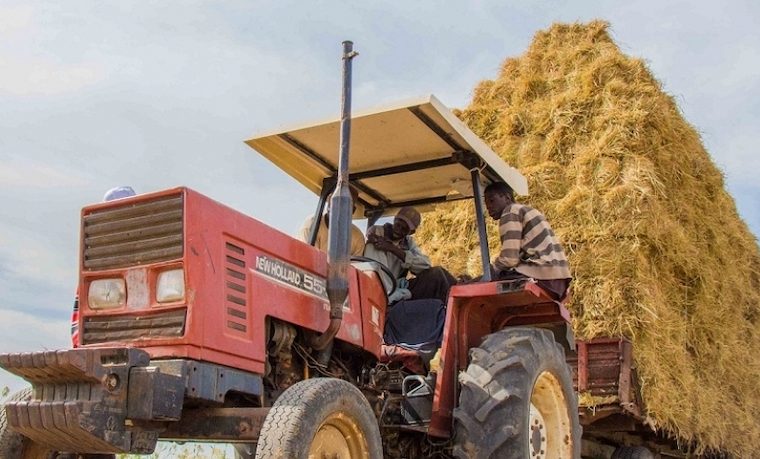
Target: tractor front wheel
[(320, 418), (517, 399)]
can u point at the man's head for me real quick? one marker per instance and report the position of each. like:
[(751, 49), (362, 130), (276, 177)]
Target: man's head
[(406, 222), (497, 197), (119, 192)]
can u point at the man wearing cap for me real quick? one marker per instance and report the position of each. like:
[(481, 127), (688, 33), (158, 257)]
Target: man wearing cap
[(392, 244), (357, 237)]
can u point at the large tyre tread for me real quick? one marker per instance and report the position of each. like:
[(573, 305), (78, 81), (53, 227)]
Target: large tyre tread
[(495, 387), (282, 435)]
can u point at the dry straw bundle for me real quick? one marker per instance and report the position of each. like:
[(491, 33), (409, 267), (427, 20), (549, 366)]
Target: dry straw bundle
[(658, 251)]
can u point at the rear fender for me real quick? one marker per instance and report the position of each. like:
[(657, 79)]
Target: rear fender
[(476, 310)]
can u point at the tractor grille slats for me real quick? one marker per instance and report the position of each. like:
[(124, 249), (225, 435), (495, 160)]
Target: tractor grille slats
[(116, 249), (99, 329), (134, 258), (172, 203), (94, 229), (140, 233), (237, 304)]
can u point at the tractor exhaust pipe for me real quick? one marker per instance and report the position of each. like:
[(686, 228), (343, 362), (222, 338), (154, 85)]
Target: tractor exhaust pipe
[(341, 206)]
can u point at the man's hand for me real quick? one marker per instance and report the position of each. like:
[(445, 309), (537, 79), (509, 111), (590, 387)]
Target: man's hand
[(385, 245), (373, 238)]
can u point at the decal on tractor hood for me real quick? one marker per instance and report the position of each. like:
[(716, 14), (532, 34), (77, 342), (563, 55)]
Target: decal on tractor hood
[(291, 275)]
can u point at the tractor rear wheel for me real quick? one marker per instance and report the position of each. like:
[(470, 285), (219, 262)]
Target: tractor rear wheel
[(517, 399), (320, 418), (13, 445)]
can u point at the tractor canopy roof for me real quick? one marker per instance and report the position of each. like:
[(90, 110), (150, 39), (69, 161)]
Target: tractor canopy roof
[(415, 153)]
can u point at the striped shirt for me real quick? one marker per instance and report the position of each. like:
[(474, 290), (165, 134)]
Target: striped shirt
[(529, 246)]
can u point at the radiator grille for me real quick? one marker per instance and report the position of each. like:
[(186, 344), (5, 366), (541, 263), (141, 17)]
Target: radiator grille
[(138, 233), (235, 288), (101, 329)]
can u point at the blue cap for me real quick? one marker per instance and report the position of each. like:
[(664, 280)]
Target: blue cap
[(118, 193)]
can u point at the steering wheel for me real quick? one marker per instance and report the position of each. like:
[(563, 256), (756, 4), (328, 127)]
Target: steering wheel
[(386, 276)]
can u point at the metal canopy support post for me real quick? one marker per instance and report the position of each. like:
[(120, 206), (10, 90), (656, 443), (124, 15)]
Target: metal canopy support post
[(480, 217), (374, 215), (328, 184)]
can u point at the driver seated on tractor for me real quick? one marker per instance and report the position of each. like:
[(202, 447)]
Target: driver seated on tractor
[(414, 328), (529, 248), (392, 245), (357, 237)]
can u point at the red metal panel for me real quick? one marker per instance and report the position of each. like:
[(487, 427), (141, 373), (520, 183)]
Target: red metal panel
[(473, 311), (226, 311), (603, 367), (607, 364), (373, 307)]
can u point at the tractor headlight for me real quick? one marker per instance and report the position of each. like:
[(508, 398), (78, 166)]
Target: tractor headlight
[(107, 293), (171, 286)]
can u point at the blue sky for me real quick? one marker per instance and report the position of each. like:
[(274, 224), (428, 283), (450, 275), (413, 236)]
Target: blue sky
[(159, 94)]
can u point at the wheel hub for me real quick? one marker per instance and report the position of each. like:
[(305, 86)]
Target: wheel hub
[(339, 437), (537, 437), (550, 432)]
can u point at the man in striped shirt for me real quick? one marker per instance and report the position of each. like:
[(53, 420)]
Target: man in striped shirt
[(529, 248)]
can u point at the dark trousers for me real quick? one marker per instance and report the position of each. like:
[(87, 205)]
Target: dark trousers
[(556, 288), (434, 282)]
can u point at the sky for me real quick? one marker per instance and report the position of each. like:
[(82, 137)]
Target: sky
[(160, 94)]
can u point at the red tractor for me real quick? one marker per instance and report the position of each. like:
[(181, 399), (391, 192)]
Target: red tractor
[(201, 323)]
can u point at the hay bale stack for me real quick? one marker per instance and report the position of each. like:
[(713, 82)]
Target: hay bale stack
[(657, 249)]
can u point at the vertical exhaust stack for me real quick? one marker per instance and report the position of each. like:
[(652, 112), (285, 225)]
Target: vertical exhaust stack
[(341, 208)]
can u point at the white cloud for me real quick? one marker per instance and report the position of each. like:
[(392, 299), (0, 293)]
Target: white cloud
[(32, 77), (26, 174), (740, 158), (28, 69), (23, 332), (36, 258), (739, 71), (14, 20), (26, 332)]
